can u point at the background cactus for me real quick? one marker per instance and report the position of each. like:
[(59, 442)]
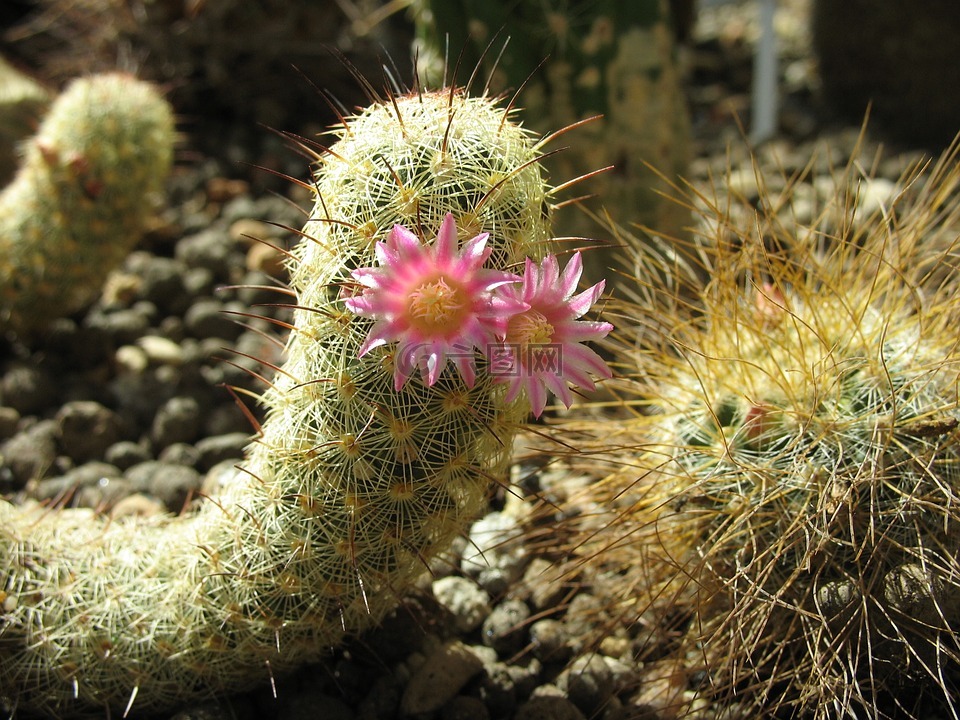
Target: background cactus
[(22, 103), (794, 509), (351, 485), (569, 61), (82, 198)]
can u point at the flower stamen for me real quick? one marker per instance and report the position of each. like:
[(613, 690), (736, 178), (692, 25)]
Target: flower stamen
[(437, 305), (529, 328)]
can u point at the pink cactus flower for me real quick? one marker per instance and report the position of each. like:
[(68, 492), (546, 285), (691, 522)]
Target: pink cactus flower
[(435, 301), (543, 345)]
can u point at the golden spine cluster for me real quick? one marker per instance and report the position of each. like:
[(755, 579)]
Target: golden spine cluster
[(794, 508)]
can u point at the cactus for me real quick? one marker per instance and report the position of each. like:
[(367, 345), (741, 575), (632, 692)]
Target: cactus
[(82, 197), (569, 61), (22, 102), (796, 506), (353, 483)]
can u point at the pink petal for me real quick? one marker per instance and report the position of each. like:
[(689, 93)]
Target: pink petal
[(583, 302), (475, 252), (584, 330), (446, 245), (571, 275), (537, 395)]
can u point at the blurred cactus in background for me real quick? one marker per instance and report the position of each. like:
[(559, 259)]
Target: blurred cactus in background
[(90, 181), (570, 61), (22, 103)]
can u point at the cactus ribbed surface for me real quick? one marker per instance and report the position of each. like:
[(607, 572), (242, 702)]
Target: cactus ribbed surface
[(351, 485), (82, 198)]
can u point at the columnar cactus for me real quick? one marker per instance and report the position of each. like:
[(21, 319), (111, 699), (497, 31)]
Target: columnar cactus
[(798, 495), (356, 478), (570, 60), (82, 198)]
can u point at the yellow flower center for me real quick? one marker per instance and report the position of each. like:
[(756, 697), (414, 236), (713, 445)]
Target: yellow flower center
[(529, 328), (436, 305)]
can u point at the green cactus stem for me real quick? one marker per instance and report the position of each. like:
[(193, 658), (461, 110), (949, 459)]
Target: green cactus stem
[(351, 486), (88, 184)]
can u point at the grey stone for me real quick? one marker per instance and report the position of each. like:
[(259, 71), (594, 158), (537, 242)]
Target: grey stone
[(9, 419), (549, 639), (221, 448), (31, 452), (505, 629), (171, 484), (87, 429), (178, 420), (467, 602), (588, 683), (440, 678), (548, 707), (465, 707), (28, 389), (126, 453), (207, 319)]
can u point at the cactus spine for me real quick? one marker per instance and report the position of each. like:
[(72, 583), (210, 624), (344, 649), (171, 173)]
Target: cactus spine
[(350, 487), (797, 498), (82, 197)]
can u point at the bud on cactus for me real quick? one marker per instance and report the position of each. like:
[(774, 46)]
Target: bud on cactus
[(355, 480), (82, 197)]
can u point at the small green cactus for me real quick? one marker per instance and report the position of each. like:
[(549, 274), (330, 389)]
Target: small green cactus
[(22, 102), (798, 497), (352, 484), (81, 199)]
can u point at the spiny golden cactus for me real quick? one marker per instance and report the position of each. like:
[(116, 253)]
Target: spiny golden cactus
[(351, 486), (792, 502)]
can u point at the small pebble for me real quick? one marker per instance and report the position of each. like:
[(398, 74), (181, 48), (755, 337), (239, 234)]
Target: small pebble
[(27, 388), (505, 629), (125, 454), (465, 707), (549, 639), (440, 678), (180, 454), (495, 555), (87, 429), (9, 419), (588, 683), (178, 420), (160, 350), (31, 452), (221, 448), (469, 604), (210, 249), (171, 484), (548, 707)]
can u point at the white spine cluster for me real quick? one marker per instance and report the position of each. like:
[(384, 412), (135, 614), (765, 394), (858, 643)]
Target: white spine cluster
[(350, 487)]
